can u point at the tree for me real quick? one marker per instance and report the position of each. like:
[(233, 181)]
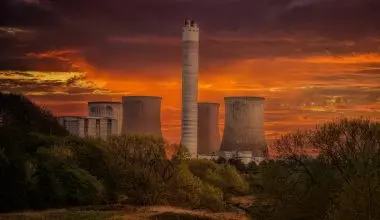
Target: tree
[(56, 180), (223, 176), (140, 167), (331, 172), (238, 164)]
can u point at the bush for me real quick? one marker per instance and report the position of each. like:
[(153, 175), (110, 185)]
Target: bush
[(139, 167), (339, 182), (223, 176), (211, 198), (185, 188), (57, 181)]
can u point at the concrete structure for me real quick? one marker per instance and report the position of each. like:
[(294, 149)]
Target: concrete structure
[(96, 127), (107, 109), (208, 157), (243, 135), (190, 51), (208, 129), (142, 115)]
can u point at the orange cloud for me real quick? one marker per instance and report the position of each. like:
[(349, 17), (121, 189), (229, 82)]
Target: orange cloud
[(299, 92)]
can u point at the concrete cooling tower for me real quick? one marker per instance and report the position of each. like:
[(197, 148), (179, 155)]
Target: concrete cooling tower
[(208, 128), (244, 128), (108, 110), (190, 51), (142, 115)]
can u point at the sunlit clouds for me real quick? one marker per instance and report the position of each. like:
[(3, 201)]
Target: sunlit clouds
[(312, 60)]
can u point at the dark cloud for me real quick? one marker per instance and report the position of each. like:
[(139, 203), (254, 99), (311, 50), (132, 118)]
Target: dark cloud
[(231, 29)]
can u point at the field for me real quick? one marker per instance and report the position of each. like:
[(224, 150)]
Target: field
[(123, 213)]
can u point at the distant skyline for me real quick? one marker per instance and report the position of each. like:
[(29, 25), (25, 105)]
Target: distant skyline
[(313, 60)]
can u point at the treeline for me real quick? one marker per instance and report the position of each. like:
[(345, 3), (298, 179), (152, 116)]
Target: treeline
[(70, 171), (332, 172), (41, 167)]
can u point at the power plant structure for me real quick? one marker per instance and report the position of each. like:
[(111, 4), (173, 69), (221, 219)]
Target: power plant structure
[(89, 127), (243, 135), (208, 129), (142, 115), (190, 59), (107, 109)]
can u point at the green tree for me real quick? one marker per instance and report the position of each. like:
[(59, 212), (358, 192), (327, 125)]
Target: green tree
[(140, 167), (58, 181), (223, 176), (326, 173)]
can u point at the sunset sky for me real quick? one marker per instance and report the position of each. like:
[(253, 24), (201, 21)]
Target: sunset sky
[(313, 60)]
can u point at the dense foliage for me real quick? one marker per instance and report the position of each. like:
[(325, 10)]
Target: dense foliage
[(41, 167), (332, 172), (341, 180)]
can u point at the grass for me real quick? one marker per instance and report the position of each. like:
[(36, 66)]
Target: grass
[(178, 216), (119, 212), (64, 215)]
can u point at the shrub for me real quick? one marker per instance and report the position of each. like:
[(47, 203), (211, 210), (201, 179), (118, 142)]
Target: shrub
[(139, 167), (340, 181), (185, 188), (211, 198), (223, 176), (59, 182)]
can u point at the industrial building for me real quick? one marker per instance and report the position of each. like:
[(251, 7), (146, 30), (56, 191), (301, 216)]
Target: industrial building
[(95, 127), (190, 59), (208, 129), (243, 135), (142, 115), (107, 109)]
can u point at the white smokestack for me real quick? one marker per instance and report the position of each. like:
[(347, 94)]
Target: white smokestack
[(190, 57)]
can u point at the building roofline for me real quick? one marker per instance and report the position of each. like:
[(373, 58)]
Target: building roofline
[(248, 98), (104, 102), (141, 97), (208, 103), (75, 116)]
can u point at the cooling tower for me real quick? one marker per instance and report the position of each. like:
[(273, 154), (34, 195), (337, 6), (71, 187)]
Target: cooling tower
[(244, 126), (142, 115), (190, 50), (107, 109), (208, 128)]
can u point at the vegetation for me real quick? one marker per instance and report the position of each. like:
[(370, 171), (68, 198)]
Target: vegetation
[(65, 215), (332, 172), (340, 182), (176, 216), (45, 168)]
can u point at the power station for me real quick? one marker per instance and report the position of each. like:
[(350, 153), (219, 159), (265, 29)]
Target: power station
[(142, 115), (208, 129), (243, 134), (190, 50), (107, 109), (89, 127)]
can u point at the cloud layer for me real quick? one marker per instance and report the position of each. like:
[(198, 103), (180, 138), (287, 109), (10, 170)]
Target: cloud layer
[(312, 59)]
